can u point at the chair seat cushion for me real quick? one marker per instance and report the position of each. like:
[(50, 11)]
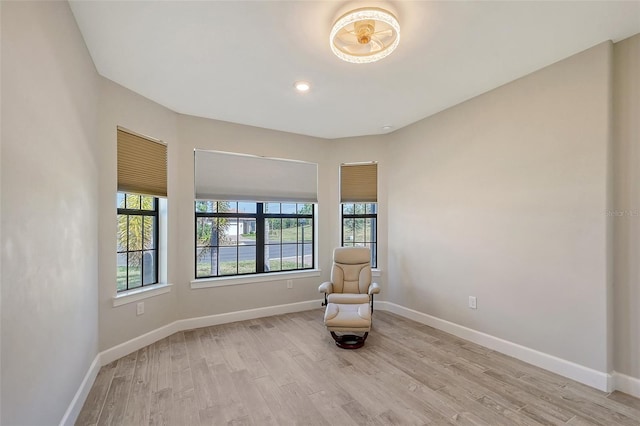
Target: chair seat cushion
[(348, 298), (349, 317)]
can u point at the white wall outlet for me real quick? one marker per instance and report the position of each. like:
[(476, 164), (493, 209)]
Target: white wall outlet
[(473, 302), (289, 284), (140, 308)]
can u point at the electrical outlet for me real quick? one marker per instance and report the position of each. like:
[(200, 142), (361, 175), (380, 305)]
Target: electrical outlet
[(289, 284), (140, 308), (473, 302)]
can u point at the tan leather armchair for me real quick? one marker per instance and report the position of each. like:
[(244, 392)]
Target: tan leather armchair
[(350, 278), (349, 297)]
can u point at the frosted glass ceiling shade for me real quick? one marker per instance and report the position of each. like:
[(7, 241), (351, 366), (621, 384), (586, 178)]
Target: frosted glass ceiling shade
[(365, 35)]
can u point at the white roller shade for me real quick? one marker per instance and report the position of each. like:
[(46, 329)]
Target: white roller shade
[(229, 176)]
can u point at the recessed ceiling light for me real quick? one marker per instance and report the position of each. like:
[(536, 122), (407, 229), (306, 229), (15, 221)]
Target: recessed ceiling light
[(387, 127), (302, 86)]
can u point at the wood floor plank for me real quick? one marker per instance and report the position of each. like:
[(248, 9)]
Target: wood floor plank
[(118, 396), (259, 411), (540, 404), (181, 378), (510, 416), (394, 417), (304, 411), (328, 379), (203, 384), (250, 353), (625, 399), (183, 392), (139, 405), (161, 366), (286, 370), (97, 395), (361, 415), (331, 409), (211, 341), (270, 392), (185, 411), (161, 412), (579, 421), (229, 349), (229, 401), (193, 345)]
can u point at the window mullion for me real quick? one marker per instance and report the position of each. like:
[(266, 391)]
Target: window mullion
[(299, 234), (142, 249), (260, 239), (156, 239), (127, 254)]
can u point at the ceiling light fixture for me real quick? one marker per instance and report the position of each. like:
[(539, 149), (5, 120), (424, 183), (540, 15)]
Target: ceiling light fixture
[(302, 86), (365, 35)]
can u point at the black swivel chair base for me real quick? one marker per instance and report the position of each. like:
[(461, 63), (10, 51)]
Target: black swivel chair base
[(349, 341)]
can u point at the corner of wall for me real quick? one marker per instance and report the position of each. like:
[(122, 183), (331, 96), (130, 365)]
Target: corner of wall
[(610, 189), (1, 206), (625, 212)]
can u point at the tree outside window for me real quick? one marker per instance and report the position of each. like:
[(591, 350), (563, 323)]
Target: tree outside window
[(137, 241)]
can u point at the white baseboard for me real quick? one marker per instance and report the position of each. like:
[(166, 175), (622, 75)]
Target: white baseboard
[(191, 323), (71, 415), (579, 373), (146, 339), (125, 348), (627, 384)]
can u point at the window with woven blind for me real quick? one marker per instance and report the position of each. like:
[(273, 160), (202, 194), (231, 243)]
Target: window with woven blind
[(359, 209), (359, 183), (142, 164)]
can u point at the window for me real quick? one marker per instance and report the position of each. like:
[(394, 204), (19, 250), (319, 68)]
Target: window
[(238, 238), (137, 241), (358, 198), (360, 227), (142, 169)]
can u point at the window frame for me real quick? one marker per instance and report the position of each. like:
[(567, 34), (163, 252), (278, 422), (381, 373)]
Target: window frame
[(373, 241), (260, 217), (155, 213)]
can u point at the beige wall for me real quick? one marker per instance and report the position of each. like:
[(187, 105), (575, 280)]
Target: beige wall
[(49, 225), (503, 197), (626, 121), (121, 107), (0, 218)]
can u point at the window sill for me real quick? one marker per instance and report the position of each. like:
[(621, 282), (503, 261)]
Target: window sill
[(250, 279), (131, 296)]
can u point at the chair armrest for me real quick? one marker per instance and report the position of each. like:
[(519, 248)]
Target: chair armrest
[(374, 288), (326, 288)]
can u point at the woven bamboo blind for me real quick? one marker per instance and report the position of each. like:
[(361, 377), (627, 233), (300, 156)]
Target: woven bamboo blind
[(142, 165), (359, 183)]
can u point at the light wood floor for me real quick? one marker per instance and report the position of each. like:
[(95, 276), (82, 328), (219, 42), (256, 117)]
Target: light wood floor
[(287, 370)]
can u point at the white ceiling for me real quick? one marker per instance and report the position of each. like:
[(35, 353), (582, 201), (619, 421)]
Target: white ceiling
[(237, 60)]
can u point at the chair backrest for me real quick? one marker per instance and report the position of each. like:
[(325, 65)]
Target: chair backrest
[(351, 272)]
